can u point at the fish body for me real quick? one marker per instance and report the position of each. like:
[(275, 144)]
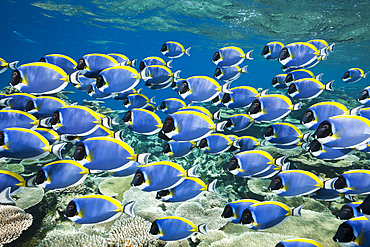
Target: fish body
[(246, 143), (16, 118), (240, 97), (171, 105), (239, 122), (278, 81), (364, 96), (176, 149), (91, 65), (154, 61), (272, 50), (321, 44), (349, 211), (326, 195), (354, 232), (299, 242), (65, 62), (158, 75), (229, 74), (353, 182), (215, 144), (142, 121), (321, 151), (234, 210), (137, 100), (50, 135), (17, 101), (230, 56), (44, 106), (10, 184), (202, 110), (308, 88), (128, 171), (300, 74), (282, 134), (172, 49), (122, 59), (353, 75)]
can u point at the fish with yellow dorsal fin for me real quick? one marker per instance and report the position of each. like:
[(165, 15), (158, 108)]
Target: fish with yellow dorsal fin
[(65, 62)]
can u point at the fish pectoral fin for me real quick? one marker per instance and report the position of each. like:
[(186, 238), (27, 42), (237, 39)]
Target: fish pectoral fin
[(81, 213), (90, 156)]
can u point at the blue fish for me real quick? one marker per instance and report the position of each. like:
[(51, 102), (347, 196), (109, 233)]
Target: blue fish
[(278, 81), (300, 74), (60, 174), (44, 106), (234, 210), (284, 134), (39, 78), (343, 131), (246, 143), (4, 65), (299, 242), (107, 154), (216, 115), (323, 152), (188, 126), (91, 65), (122, 59), (353, 182), (96, 209), (174, 149), (272, 50), (123, 95), (189, 189), (229, 74), (353, 75), (20, 143), (321, 111), (161, 175), (174, 49), (230, 56), (15, 118), (171, 105), (349, 211), (256, 163), (154, 61), (295, 183), (137, 100), (326, 195), (271, 107), (364, 96), (10, 184), (175, 228), (239, 122), (268, 214), (142, 121), (16, 101), (159, 75), (308, 88), (354, 232), (321, 44), (65, 62), (215, 144), (240, 97)]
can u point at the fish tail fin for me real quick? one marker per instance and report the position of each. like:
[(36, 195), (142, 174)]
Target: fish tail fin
[(169, 64), (305, 146), (119, 135), (57, 149), (5, 196), (106, 122), (217, 115), (236, 143), (129, 208), (187, 51), (225, 88), (297, 211), (191, 172), (13, 65), (31, 182), (176, 75), (306, 136), (284, 166), (318, 77), (331, 47), (263, 143), (211, 187), (296, 107), (6, 101), (323, 52), (329, 86), (143, 158), (248, 55), (365, 74), (45, 122), (355, 111), (133, 63), (139, 90), (73, 78), (202, 228), (115, 120), (152, 100), (263, 93), (244, 69), (329, 184), (220, 126)]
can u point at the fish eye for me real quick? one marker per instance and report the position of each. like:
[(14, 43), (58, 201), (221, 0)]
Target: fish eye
[(256, 104), (138, 175), (309, 113), (325, 126), (15, 73), (81, 61), (71, 207)]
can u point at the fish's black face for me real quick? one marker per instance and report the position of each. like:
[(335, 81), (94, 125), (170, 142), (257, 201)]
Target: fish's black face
[(292, 88), (203, 143), (126, 101), (16, 78), (90, 89), (284, 53), (233, 164), (315, 146), (162, 193), (100, 81), (229, 123), (340, 183), (184, 87), (228, 212), (265, 50), (344, 234), (42, 60), (279, 245), (138, 179), (324, 130), (166, 148), (216, 56), (288, 78), (2, 141), (346, 75), (307, 117), (71, 209), (154, 229), (80, 152), (141, 66), (127, 117), (246, 217), (365, 206), (276, 183), (226, 98), (163, 105), (364, 94), (55, 118), (164, 47), (274, 81), (255, 107), (269, 131), (81, 64), (29, 106), (345, 213), (218, 72), (168, 125), (40, 177)]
